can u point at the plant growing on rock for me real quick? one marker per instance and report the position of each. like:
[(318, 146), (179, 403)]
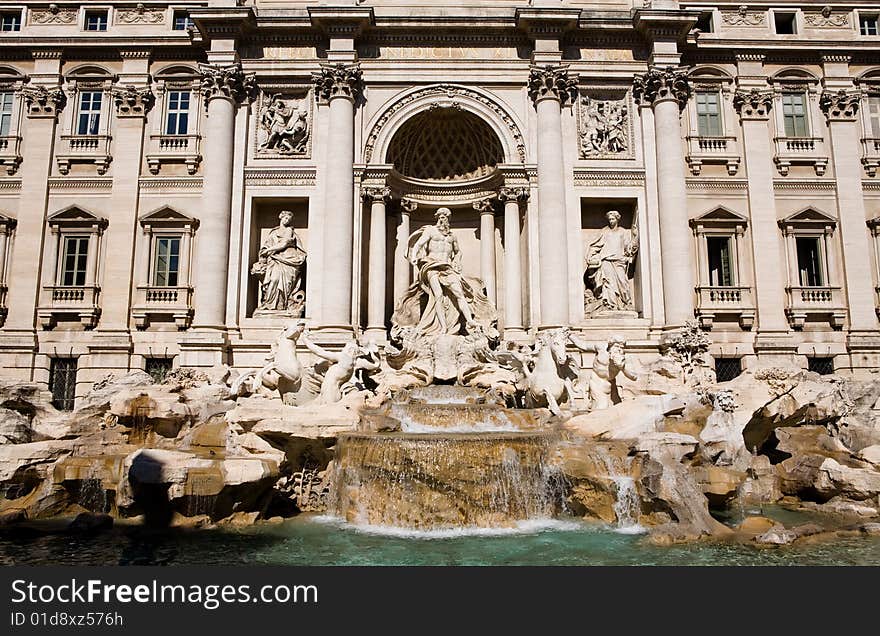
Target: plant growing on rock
[(689, 348)]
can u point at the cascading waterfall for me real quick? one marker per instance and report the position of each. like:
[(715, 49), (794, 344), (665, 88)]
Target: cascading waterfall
[(92, 495), (627, 505)]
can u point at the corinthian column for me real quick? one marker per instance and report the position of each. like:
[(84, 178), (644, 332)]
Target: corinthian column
[(550, 87), (223, 89), (378, 199), (402, 266), (486, 209), (840, 108), (340, 86), (667, 91), (513, 280)]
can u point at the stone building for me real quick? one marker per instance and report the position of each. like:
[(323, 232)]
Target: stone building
[(149, 148)]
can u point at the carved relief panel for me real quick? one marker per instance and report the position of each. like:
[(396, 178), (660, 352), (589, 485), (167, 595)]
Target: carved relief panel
[(283, 122), (604, 125)]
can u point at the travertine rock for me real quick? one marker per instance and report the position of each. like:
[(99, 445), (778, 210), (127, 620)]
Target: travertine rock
[(856, 483), (629, 419)]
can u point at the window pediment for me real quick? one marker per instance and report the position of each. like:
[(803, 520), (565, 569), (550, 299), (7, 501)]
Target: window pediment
[(166, 216), (720, 216), (75, 216), (808, 218)]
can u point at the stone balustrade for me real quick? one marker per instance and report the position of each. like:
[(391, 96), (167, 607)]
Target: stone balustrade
[(185, 149), (800, 150), (815, 302), (713, 301), (720, 150), (158, 302), (84, 149), (58, 301)]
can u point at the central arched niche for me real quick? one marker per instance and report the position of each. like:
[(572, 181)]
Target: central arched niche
[(445, 144)]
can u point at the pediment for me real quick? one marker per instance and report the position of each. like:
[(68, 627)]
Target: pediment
[(720, 215), (166, 215), (809, 216), (75, 215)]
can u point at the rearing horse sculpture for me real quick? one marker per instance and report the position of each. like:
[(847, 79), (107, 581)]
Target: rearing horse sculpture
[(283, 371), (550, 378)]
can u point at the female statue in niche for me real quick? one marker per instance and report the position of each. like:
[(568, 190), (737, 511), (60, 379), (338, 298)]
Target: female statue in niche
[(609, 259), (280, 269)]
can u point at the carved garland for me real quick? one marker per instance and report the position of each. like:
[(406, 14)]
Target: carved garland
[(449, 91)]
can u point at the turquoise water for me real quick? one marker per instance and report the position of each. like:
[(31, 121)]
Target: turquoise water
[(321, 541)]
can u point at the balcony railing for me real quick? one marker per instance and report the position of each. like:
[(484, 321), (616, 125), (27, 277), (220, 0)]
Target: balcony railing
[(871, 154), (84, 149), (10, 154), (714, 301), (722, 149), (800, 150), (174, 149), (81, 300), (815, 301), (154, 300)]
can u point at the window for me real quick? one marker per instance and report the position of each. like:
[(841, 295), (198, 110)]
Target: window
[(97, 20), (89, 112), (822, 366), (177, 122), (720, 271), (809, 259), (726, 369), (704, 22), (74, 259), (181, 21), (5, 113), (167, 262), (157, 368), (62, 382), (794, 114), (868, 24), (786, 23), (10, 21), (709, 114), (874, 116)]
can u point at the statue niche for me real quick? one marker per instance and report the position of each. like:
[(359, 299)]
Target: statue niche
[(609, 268), (280, 268)]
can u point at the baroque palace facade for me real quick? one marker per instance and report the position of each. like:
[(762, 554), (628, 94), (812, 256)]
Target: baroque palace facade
[(150, 150)]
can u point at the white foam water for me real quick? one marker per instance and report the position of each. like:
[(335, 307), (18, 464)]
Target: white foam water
[(524, 527)]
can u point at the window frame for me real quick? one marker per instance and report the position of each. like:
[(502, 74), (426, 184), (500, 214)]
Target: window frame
[(188, 24), (82, 239), (808, 128), (156, 238), (84, 80), (11, 11), (85, 11), (62, 403), (76, 221), (7, 116), (797, 20), (866, 13), (821, 261), (78, 116), (821, 227), (177, 112), (719, 115)]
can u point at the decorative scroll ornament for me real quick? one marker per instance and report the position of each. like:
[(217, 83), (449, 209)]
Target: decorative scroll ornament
[(552, 82), (753, 104), (229, 81), (660, 84), (603, 127), (338, 80), (827, 19), (513, 194), (285, 125), (371, 195), (53, 15), (742, 17), (42, 101), (131, 101), (484, 206), (140, 15), (840, 105)]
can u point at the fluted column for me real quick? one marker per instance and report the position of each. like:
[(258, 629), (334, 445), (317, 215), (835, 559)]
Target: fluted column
[(402, 266), (378, 199), (42, 106), (513, 280), (551, 87), (340, 86), (486, 208), (223, 89), (667, 91), (840, 109)]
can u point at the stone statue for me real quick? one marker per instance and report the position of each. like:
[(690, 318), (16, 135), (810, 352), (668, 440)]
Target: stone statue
[(604, 127), (453, 302), (610, 257), (609, 362), (280, 270), (547, 372), (286, 127), (343, 368), (282, 372)]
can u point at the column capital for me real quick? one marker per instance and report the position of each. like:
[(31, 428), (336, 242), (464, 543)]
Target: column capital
[(338, 80), (662, 84), (408, 205), (552, 82), (374, 194), (520, 194), (132, 101), (840, 105), (227, 82), (43, 101), (484, 206), (753, 104)]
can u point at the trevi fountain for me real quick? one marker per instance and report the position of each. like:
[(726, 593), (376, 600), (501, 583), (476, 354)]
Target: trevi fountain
[(447, 444)]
